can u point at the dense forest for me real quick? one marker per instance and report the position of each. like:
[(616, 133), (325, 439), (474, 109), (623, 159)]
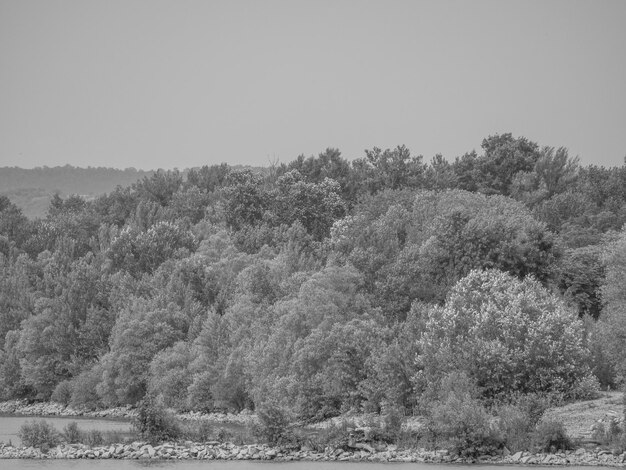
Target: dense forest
[(323, 285)]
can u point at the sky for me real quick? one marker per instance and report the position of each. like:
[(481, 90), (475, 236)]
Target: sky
[(183, 83)]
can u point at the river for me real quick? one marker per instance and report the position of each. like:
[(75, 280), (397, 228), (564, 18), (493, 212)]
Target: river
[(10, 425)]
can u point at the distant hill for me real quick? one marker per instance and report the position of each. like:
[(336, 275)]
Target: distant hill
[(31, 189)]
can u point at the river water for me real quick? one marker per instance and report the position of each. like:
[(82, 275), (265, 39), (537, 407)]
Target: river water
[(10, 425)]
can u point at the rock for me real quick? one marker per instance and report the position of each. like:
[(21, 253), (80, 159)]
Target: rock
[(364, 446), (517, 456)]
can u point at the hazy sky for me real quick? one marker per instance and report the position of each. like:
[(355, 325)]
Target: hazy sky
[(153, 83)]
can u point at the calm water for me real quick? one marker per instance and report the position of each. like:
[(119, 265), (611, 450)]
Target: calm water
[(10, 425)]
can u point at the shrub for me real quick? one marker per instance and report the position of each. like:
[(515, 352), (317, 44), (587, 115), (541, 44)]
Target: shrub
[(272, 426), (153, 422), (586, 388), (62, 393), (610, 436), (392, 419), (94, 438), (204, 431), (224, 435), (459, 422), (550, 436), (462, 425), (84, 389), (71, 433), (38, 434), (515, 426), (534, 405)]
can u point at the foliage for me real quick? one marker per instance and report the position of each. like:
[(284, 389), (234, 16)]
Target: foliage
[(515, 426), (509, 335), (613, 319), (38, 433), (459, 422), (273, 422), (611, 435), (62, 393), (320, 286), (550, 436), (72, 434), (153, 422)]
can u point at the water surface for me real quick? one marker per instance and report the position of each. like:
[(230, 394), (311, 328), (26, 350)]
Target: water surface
[(10, 425)]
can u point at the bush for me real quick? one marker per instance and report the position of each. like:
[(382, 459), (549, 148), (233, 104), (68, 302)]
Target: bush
[(62, 393), (586, 388), (515, 426), (84, 389), (38, 434), (459, 422), (534, 406), (153, 422), (272, 426), (550, 436), (204, 431), (94, 438), (610, 436), (462, 425), (72, 434)]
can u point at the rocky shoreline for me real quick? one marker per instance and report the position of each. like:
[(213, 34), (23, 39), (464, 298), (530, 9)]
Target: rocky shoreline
[(22, 408), (228, 451)]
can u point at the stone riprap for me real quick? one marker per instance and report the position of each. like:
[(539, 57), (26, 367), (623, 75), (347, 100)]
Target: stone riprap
[(229, 451), (20, 407)]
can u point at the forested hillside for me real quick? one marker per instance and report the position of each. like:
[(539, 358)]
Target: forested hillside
[(32, 189), (323, 285)]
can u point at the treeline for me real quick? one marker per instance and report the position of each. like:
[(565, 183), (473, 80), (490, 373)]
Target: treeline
[(32, 189), (323, 285)]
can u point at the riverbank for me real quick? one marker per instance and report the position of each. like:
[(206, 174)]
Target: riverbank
[(261, 452)]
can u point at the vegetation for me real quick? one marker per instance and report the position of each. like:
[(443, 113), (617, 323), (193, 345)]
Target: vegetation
[(38, 433), (320, 286)]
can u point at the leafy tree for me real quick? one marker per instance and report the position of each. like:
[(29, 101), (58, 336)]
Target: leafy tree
[(612, 334), (440, 174), (169, 377), (508, 335), (189, 204), (580, 275), (46, 347), (459, 231), (13, 224), (116, 207), (208, 178), (160, 187), (246, 199), (315, 205), (504, 157), (16, 295), (389, 169), (139, 252), (328, 164), (142, 330)]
